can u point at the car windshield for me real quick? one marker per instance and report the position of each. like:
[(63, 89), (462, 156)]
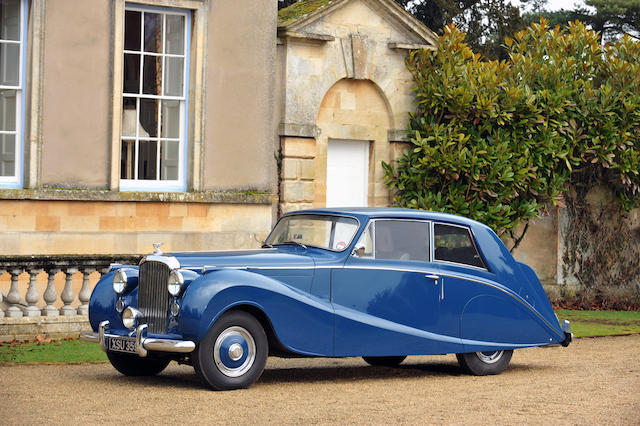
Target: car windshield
[(322, 231)]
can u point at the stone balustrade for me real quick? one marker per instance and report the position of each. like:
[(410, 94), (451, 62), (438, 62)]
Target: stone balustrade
[(26, 307)]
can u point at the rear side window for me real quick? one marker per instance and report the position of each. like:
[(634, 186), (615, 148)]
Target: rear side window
[(401, 240), (454, 244)]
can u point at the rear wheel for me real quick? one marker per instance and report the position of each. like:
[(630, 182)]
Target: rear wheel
[(485, 363), (133, 365), (384, 361), (233, 353)]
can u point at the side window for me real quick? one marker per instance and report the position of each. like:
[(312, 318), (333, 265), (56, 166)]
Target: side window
[(401, 240), (364, 247), (454, 244)]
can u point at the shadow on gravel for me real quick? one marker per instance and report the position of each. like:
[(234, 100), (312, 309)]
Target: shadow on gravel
[(187, 379), (333, 374)]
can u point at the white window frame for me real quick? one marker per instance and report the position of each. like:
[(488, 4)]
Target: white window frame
[(178, 185), (16, 181)]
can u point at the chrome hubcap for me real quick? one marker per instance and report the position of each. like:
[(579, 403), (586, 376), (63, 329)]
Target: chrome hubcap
[(234, 351), (490, 357)]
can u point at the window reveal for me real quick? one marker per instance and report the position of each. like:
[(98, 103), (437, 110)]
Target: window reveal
[(11, 68), (153, 107)]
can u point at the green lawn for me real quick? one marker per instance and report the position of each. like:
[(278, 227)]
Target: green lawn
[(56, 351), (583, 324), (601, 323)]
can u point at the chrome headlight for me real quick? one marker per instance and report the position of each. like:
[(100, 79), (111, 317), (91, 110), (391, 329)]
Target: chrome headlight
[(176, 281), (130, 317), (120, 281)]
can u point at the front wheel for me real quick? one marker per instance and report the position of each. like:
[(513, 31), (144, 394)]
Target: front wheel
[(133, 365), (384, 361), (485, 363), (233, 353)]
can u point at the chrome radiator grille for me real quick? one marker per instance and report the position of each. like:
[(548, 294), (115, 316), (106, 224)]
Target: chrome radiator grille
[(153, 297)]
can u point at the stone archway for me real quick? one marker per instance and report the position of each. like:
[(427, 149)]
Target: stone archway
[(354, 110)]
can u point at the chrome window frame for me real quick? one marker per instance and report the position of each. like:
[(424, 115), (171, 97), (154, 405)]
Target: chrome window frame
[(428, 223), (358, 226), (473, 243)]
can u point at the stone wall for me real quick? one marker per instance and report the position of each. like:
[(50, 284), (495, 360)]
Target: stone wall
[(33, 227)]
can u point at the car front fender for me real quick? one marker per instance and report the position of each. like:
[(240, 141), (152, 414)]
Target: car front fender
[(295, 315)]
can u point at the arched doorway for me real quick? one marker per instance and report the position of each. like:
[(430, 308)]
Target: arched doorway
[(353, 122)]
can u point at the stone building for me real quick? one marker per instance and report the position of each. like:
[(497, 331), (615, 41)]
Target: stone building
[(343, 98), (125, 123)]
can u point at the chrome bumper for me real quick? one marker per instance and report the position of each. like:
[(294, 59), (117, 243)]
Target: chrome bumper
[(568, 335), (143, 344)]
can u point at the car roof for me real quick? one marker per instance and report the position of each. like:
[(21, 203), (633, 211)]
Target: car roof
[(392, 212)]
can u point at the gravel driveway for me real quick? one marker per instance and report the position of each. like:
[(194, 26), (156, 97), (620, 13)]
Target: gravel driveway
[(593, 381)]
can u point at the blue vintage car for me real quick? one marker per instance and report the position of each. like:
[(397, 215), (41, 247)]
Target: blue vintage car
[(378, 283)]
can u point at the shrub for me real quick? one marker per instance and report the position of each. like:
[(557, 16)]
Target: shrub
[(499, 141)]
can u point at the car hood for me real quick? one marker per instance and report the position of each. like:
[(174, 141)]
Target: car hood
[(259, 258)]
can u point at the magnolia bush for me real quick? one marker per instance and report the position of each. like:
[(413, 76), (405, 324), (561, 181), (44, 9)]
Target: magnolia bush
[(499, 141)]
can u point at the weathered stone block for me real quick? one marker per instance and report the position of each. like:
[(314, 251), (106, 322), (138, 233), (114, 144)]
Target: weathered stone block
[(307, 169), (299, 147), (291, 168), (297, 191)]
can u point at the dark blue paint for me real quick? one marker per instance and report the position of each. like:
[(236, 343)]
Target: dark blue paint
[(321, 302)]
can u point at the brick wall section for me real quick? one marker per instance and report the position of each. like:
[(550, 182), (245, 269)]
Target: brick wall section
[(298, 173)]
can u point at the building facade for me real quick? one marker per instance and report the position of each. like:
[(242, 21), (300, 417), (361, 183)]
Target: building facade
[(125, 123)]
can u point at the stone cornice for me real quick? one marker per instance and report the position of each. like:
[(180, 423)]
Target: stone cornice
[(65, 194)]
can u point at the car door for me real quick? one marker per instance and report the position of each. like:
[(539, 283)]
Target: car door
[(387, 296)]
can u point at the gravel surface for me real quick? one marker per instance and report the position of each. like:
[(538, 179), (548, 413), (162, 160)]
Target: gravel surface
[(593, 381)]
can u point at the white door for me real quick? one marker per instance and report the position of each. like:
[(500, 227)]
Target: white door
[(347, 173)]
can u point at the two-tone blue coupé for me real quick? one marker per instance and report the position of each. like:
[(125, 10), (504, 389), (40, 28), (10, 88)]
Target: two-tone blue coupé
[(370, 282)]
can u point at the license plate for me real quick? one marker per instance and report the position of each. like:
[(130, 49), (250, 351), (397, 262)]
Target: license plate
[(122, 344)]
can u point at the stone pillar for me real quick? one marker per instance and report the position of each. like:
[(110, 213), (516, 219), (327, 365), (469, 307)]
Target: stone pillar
[(50, 294), (85, 292), (32, 296), (297, 186), (67, 294), (13, 297)]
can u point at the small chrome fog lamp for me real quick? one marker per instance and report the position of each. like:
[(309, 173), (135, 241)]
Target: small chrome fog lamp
[(130, 317), (120, 281), (176, 280)]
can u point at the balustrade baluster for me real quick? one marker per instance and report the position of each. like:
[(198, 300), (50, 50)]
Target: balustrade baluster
[(67, 294), (13, 297), (32, 296), (50, 294), (85, 292)]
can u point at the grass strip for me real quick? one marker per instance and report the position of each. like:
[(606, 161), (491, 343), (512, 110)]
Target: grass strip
[(56, 351), (601, 323)]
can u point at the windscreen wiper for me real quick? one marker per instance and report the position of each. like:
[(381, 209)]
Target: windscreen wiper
[(293, 242)]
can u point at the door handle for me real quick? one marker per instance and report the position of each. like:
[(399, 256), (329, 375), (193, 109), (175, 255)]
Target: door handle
[(433, 277)]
